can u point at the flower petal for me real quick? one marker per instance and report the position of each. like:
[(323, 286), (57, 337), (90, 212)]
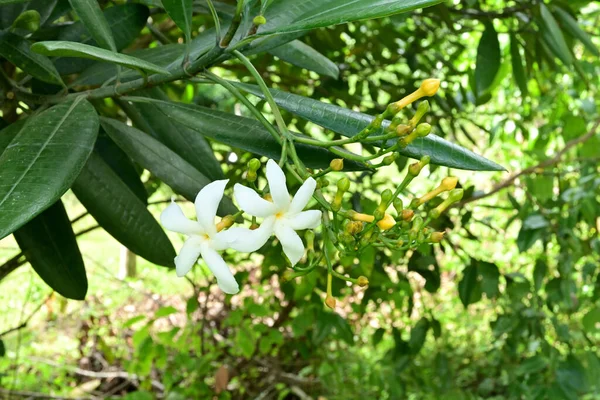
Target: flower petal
[(188, 255), (220, 270), (207, 202), (244, 239), (291, 242), (172, 218), (252, 203), (305, 220), (277, 185), (303, 196)]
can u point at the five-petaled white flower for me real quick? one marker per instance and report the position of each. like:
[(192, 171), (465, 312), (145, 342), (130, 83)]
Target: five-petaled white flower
[(205, 240), (281, 216)]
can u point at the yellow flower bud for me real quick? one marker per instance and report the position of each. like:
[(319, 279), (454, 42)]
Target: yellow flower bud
[(361, 217), (449, 182), (330, 302), (354, 227), (259, 20), (362, 281), (386, 223), (407, 215), (437, 237), (337, 164), (430, 86)]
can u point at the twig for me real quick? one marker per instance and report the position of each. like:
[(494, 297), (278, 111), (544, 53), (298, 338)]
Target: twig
[(39, 395), (26, 321)]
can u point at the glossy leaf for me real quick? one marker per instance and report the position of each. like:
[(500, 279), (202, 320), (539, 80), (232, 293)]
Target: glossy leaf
[(161, 161), (43, 7), (517, 65), (121, 213), (187, 143), (180, 12), (90, 13), (311, 14), (240, 132), (79, 50), (304, 56), (50, 247), (469, 289), (553, 36), (488, 60), (43, 160), (348, 123), (570, 25), (17, 51)]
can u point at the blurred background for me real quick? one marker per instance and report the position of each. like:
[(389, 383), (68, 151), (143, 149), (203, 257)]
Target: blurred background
[(505, 307)]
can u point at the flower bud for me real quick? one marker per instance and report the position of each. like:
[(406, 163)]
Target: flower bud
[(420, 113), (436, 237), (386, 222), (417, 223), (454, 196), (386, 196), (254, 164), (354, 227), (254, 226), (343, 185), (389, 160), (407, 215), (430, 86), (449, 183), (287, 276), (360, 217), (225, 222), (415, 168), (322, 183), (398, 205), (346, 238), (403, 130), (362, 281), (423, 129), (330, 302), (337, 164), (378, 214), (259, 20), (28, 20), (309, 235), (251, 176)]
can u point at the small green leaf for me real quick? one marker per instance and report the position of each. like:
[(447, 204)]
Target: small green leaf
[(418, 334), (73, 49), (28, 21), (570, 25), (2, 349), (304, 56), (165, 312), (348, 123), (161, 161), (539, 273), (469, 289), (180, 12), (517, 65), (90, 13), (488, 60), (553, 36), (121, 213), (50, 247), (43, 160), (591, 320), (17, 51)]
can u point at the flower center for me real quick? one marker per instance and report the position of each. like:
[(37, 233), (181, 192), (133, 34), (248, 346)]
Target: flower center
[(279, 215), (205, 236)]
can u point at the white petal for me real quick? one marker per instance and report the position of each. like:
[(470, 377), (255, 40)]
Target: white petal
[(291, 242), (173, 219), (305, 220), (207, 202), (277, 186), (303, 196), (220, 270), (188, 255), (244, 239), (252, 203)]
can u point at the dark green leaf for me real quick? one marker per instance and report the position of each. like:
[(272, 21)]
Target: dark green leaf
[(121, 213), (312, 14), (180, 12), (490, 278), (161, 161), (527, 238), (553, 37), (43, 160), (2, 349), (488, 60), (189, 144), (570, 25), (90, 13), (349, 123), (304, 56), (591, 320), (467, 287), (418, 334), (517, 65), (378, 336), (6, 2), (50, 247), (73, 49), (539, 273), (17, 51), (239, 132)]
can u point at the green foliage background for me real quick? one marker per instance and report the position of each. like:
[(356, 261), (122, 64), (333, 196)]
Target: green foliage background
[(507, 306)]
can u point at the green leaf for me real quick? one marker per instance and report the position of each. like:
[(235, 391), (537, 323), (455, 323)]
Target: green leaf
[(50, 247), (348, 123), (468, 289), (90, 13), (6, 2), (125, 21), (517, 65), (180, 12), (43, 160), (418, 334), (161, 161), (240, 132), (490, 278), (44, 8), (570, 25), (553, 37), (28, 21), (311, 14), (121, 213), (189, 144), (488, 60), (591, 320), (165, 312), (17, 51), (73, 49), (539, 273), (304, 56), (2, 349)]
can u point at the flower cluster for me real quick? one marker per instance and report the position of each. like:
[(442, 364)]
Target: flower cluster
[(281, 215)]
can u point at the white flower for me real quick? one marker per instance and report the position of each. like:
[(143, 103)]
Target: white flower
[(204, 239), (282, 215)]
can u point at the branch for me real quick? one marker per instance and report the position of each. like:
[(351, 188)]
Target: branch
[(26, 321), (507, 12), (544, 164), (29, 395)]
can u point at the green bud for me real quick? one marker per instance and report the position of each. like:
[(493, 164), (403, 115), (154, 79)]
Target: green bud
[(378, 214), (251, 176), (259, 20), (398, 205), (422, 109), (423, 129), (386, 196), (337, 164), (343, 185), (322, 183), (417, 223), (455, 195), (28, 21), (254, 164), (389, 160), (346, 238), (310, 239)]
